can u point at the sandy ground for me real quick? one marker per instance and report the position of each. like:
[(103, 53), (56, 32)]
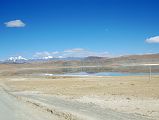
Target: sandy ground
[(114, 98), (13, 109)]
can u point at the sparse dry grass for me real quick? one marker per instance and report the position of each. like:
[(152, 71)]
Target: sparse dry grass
[(137, 86), (130, 94)]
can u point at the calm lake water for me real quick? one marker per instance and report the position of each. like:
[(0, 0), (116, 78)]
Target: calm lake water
[(101, 74)]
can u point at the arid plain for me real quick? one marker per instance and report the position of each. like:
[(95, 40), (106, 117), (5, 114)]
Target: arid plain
[(84, 97)]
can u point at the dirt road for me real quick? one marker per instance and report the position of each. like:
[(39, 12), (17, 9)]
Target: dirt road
[(83, 110), (13, 109)]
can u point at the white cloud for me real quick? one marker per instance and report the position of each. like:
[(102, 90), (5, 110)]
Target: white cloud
[(153, 39), (15, 23), (55, 52), (42, 54), (76, 52)]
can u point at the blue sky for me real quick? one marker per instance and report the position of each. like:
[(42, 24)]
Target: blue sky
[(105, 27)]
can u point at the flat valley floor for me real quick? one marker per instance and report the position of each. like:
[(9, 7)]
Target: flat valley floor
[(73, 98)]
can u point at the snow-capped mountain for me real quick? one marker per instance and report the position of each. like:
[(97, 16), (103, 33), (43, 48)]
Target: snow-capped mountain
[(47, 57), (20, 59), (17, 59)]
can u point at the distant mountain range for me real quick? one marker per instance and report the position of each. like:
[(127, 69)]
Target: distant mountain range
[(91, 60), (20, 59)]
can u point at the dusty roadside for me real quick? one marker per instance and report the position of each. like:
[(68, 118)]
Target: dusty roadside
[(111, 96), (14, 109)]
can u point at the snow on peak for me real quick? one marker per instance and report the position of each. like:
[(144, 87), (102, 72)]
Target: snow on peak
[(16, 58), (48, 57)]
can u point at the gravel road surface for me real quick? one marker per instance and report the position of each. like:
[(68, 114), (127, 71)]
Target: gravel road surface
[(83, 110)]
